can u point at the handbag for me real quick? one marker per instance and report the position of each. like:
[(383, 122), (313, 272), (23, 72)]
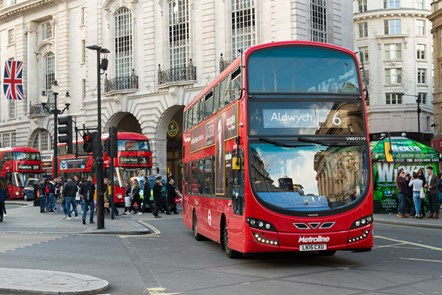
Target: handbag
[(422, 193)]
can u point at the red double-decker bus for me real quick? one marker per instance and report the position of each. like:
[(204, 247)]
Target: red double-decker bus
[(134, 158), (276, 153), (17, 165)]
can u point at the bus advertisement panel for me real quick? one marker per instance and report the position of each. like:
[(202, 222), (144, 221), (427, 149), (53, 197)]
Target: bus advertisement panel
[(134, 157), (276, 153), (17, 165)]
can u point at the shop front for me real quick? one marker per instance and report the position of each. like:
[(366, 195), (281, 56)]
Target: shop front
[(391, 154)]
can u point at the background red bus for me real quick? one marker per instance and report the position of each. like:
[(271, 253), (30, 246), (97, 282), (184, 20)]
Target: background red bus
[(17, 165), (134, 158), (276, 153)]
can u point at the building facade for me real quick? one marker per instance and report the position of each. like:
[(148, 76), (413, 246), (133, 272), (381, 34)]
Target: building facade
[(394, 36), (162, 53), (436, 20)]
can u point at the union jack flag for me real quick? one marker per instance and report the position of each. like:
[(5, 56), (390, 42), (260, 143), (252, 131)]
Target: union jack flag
[(13, 81)]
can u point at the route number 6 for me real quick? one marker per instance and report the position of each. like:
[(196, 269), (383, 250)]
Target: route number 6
[(336, 120)]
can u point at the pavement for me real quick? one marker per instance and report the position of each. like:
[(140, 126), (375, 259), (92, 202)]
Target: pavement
[(34, 281)]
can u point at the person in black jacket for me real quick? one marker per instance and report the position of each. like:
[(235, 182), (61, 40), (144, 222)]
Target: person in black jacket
[(135, 193), (87, 190), (157, 187), (147, 204), (171, 194), (69, 191)]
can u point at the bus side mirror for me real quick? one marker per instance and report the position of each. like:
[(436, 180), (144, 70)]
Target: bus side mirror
[(236, 163)]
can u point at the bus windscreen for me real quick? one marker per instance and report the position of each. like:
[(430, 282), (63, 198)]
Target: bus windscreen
[(302, 69)]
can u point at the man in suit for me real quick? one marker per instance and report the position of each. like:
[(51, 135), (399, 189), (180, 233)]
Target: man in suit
[(432, 193)]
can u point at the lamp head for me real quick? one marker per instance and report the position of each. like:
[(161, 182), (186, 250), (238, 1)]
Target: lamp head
[(43, 98), (67, 100), (55, 88)]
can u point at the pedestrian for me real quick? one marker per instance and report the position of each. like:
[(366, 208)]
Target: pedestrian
[(88, 191), (417, 184), (51, 190), (108, 197), (42, 197), (432, 187), (147, 204), (3, 191), (171, 195), (440, 189), (127, 198), (409, 205), (157, 187), (420, 174), (69, 191), (401, 184), (164, 205), (2, 180), (135, 193)]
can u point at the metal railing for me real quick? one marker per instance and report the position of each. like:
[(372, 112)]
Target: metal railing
[(177, 74), (223, 63), (121, 83), (37, 110)]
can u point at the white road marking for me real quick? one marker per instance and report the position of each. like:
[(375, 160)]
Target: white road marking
[(410, 243), (419, 259)]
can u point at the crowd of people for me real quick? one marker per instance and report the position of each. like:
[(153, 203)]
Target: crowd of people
[(66, 195), (419, 196)]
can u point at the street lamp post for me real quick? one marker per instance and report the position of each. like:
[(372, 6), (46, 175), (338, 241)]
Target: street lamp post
[(55, 111), (418, 100), (99, 159)]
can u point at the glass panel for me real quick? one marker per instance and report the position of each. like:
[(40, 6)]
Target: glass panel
[(290, 69), (26, 156), (308, 177), (307, 118)]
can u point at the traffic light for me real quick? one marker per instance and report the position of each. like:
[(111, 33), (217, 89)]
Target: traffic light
[(88, 142), (65, 132)]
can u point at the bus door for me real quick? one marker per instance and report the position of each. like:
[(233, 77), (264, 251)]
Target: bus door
[(235, 191)]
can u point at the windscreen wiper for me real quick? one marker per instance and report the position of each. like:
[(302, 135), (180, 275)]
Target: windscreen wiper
[(334, 144)]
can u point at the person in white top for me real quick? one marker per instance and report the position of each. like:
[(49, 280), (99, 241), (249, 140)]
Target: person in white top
[(417, 184)]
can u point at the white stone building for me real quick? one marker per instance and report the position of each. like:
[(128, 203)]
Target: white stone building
[(395, 39), (161, 54)]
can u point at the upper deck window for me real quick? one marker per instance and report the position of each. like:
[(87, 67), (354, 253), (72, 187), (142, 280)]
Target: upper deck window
[(133, 145), (302, 69)]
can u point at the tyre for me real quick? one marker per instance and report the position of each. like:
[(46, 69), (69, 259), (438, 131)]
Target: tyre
[(225, 244), (196, 235)]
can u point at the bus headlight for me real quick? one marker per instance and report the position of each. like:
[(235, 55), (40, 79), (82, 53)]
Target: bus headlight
[(16, 193), (261, 224), (119, 196), (362, 221)]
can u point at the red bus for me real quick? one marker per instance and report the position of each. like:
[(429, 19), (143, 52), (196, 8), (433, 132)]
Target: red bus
[(134, 158), (276, 153), (17, 165)]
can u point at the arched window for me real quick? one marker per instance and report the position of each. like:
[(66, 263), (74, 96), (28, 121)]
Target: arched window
[(42, 141), (123, 42)]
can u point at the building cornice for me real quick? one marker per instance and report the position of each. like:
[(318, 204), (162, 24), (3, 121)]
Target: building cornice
[(384, 13), (21, 8)]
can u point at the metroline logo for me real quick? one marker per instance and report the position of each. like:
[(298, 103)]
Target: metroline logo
[(318, 239)]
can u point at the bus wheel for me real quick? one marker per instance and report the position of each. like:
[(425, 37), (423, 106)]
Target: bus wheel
[(196, 235), (225, 244)]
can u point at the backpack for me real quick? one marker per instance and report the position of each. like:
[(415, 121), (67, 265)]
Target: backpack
[(46, 189)]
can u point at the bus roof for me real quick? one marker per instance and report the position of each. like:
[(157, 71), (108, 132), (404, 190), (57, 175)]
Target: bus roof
[(121, 136), (250, 50), (23, 149)]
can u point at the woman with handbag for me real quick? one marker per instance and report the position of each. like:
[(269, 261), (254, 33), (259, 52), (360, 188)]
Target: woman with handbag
[(417, 185)]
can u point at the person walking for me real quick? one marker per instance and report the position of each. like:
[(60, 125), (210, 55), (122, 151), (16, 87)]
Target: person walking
[(157, 187), (147, 204), (42, 190), (417, 184), (3, 189), (401, 184), (432, 193), (70, 190), (51, 190), (87, 191), (135, 193), (171, 194), (421, 176), (409, 205)]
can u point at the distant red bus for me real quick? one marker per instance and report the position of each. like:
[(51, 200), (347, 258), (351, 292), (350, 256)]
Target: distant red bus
[(134, 158), (17, 165), (276, 153)]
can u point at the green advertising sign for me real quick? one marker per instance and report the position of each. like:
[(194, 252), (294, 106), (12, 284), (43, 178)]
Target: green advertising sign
[(407, 154)]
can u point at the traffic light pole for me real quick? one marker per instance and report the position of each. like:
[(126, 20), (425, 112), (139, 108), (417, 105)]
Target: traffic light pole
[(55, 137)]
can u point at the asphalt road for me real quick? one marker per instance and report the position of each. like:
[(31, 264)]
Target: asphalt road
[(405, 260)]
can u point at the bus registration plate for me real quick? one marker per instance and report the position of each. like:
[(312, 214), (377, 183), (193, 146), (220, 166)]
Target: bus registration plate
[(313, 247)]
